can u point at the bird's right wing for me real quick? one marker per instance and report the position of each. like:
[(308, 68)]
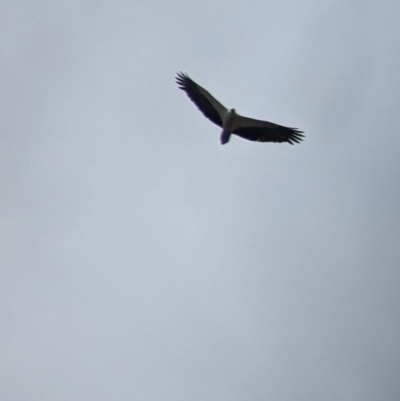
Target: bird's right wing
[(265, 131), (206, 103)]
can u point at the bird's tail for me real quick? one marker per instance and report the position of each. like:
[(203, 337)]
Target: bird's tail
[(225, 136)]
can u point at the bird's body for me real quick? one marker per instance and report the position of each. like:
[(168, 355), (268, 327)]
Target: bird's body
[(233, 123), (228, 125)]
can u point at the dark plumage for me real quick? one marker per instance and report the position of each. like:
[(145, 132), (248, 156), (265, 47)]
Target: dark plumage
[(233, 123)]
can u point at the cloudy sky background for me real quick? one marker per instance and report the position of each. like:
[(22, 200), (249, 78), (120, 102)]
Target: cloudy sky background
[(142, 260)]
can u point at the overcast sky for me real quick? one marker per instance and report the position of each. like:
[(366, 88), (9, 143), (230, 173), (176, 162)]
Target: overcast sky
[(141, 260)]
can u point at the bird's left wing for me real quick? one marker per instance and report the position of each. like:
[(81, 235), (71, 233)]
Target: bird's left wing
[(206, 103), (264, 131)]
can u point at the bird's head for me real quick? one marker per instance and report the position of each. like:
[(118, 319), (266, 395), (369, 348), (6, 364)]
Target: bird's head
[(232, 111)]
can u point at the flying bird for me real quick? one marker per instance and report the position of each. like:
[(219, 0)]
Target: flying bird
[(233, 123)]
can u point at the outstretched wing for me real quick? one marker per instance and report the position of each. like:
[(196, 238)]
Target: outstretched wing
[(264, 131), (206, 103)]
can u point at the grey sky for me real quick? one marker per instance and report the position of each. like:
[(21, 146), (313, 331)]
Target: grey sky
[(142, 260)]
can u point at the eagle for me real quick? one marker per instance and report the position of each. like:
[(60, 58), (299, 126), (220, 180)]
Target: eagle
[(233, 123)]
